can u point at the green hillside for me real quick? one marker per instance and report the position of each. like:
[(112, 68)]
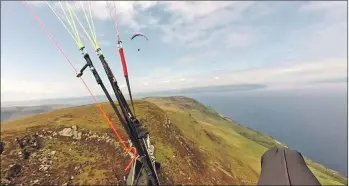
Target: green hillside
[(194, 144)]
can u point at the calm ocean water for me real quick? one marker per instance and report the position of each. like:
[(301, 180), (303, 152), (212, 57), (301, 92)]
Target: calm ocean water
[(312, 121)]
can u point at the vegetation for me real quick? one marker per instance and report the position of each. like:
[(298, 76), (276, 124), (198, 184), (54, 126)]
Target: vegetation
[(194, 144)]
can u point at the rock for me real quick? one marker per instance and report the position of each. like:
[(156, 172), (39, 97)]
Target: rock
[(53, 153), (94, 136), (72, 177), (29, 144), (74, 128), (43, 160), (66, 132), (14, 171), (77, 135), (36, 181), (54, 134), (44, 167), (5, 181)]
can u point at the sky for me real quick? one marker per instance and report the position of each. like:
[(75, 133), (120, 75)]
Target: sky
[(191, 44)]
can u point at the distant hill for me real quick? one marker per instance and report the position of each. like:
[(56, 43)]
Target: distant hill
[(16, 112), (102, 98), (217, 88), (194, 144)]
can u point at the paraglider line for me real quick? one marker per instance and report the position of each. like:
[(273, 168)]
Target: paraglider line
[(127, 149)]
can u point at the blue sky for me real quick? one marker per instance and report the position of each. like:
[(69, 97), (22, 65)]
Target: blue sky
[(281, 44)]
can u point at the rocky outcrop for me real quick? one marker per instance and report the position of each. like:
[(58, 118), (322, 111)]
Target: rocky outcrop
[(66, 132), (29, 144), (71, 132), (46, 159), (13, 172)]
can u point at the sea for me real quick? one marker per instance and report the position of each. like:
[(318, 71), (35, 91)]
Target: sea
[(312, 120)]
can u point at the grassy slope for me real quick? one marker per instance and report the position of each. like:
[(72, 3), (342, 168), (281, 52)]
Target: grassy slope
[(198, 147), (234, 146), (102, 163)]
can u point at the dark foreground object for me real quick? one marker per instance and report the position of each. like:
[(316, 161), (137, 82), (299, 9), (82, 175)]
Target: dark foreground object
[(282, 166), (1, 147)]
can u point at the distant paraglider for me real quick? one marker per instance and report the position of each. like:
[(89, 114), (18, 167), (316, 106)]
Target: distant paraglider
[(139, 34)]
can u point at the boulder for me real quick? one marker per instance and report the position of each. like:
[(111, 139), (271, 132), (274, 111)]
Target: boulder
[(66, 132), (53, 153), (77, 135), (14, 171)]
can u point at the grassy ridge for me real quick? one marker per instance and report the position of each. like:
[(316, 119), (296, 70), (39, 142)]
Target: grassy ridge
[(194, 144), (240, 146)]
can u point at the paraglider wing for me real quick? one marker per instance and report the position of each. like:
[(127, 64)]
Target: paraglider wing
[(138, 34)]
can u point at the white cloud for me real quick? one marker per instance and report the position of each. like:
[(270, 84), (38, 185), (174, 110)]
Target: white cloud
[(290, 74), (280, 75), (23, 86), (145, 4), (214, 24), (105, 43), (37, 3), (124, 12), (330, 9), (239, 39), (286, 75), (184, 26), (207, 25), (18, 89), (195, 57), (185, 9), (326, 38)]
